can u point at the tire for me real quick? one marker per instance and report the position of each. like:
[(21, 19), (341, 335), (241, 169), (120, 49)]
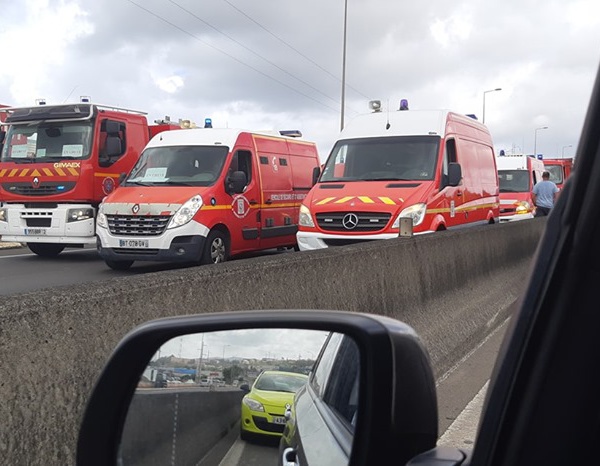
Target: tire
[(216, 248), (46, 249), (244, 435), (119, 265)]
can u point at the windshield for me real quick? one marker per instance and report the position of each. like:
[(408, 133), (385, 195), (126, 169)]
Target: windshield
[(514, 181), (556, 173), (179, 166), (384, 158), (281, 382), (48, 142)]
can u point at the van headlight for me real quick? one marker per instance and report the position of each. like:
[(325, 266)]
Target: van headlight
[(186, 212), (306, 217), (416, 212), (522, 207), (101, 220)]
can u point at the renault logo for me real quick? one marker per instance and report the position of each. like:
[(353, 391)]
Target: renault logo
[(36, 182), (136, 208), (350, 221)]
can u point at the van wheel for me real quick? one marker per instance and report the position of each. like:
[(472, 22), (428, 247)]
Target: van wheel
[(216, 248), (46, 249), (119, 265)]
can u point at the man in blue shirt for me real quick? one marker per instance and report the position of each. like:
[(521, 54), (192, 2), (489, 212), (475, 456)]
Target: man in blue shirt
[(544, 195)]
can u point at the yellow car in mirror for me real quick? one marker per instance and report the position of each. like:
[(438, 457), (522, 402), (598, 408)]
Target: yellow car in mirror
[(264, 406)]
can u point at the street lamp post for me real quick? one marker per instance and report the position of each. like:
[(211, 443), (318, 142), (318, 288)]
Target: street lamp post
[(563, 150), (535, 140), (484, 93), (224, 346), (344, 67)]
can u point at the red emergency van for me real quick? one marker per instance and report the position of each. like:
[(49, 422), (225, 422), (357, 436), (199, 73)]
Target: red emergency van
[(434, 167), (559, 169), (517, 174), (203, 195), (57, 163)]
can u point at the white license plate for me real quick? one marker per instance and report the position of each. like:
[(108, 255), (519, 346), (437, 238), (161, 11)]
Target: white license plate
[(279, 420), (35, 231), (134, 243)]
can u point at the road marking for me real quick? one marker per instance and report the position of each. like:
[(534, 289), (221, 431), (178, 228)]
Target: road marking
[(234, 455), (462, 432)]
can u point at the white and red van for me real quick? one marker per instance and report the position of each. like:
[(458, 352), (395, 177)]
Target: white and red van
[(435, 167), (517, 175), (206, 194)]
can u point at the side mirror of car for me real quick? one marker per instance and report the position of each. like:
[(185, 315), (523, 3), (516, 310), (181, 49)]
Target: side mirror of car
[(454, 174), (394, 410), (236, 182), (245, 387)]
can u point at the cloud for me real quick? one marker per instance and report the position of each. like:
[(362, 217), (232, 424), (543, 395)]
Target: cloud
[(184, 59)]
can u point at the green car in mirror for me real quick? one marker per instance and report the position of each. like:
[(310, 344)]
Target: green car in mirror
[(368, 395)]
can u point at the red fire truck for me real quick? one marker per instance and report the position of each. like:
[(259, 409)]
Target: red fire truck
[(559, 169), (57, 164)]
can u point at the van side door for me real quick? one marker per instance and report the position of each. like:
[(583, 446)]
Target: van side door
[(452, 197), (278, 226), (244, 221)]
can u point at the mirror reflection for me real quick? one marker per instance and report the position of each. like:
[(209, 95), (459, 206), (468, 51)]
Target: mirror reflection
[(252, 396)]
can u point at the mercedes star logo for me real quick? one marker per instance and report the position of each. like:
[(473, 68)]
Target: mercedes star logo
[(136, 208), (350, 221)]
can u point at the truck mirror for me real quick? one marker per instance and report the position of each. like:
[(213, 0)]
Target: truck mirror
[(113, 146), (236, 182), (454, 174), (315, 175), (112, 150), (112, 127)]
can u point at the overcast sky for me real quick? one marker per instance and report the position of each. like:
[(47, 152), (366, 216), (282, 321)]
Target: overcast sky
[(277, 64), (252, 343)]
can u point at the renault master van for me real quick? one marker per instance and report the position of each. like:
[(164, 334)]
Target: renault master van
[(203, 195)]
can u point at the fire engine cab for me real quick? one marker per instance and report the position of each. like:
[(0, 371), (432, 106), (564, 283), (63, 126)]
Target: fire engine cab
[(518, 174), (559, 169), (57, 163), (203, 195)]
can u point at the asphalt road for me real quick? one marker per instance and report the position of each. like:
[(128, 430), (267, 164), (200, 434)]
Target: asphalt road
[(22, 271)]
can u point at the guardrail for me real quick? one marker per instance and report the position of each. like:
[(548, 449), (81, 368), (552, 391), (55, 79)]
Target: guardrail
[(453, 287)]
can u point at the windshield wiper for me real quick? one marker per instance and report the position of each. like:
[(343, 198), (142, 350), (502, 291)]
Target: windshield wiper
[(27, 160), (139, 183), (387, 179)]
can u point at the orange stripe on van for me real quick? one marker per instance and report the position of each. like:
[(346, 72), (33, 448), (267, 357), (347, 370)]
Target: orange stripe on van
[(344, 199), (24, 172), (387, 200), (366, 200), (48, 172), (326, 200)]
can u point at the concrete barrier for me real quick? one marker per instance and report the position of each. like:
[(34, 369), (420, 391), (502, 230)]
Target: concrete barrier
[(177, 426), (453, 287)]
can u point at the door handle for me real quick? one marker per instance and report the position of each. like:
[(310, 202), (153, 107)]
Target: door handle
[(289, 457), (268, 201), (252, 202), (459, 193)]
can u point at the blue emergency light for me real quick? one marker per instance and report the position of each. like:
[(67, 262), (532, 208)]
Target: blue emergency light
[(403, 104), (208, 122)]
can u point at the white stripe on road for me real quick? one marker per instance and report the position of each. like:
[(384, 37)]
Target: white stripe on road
[(462, 432), (234, 455)]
